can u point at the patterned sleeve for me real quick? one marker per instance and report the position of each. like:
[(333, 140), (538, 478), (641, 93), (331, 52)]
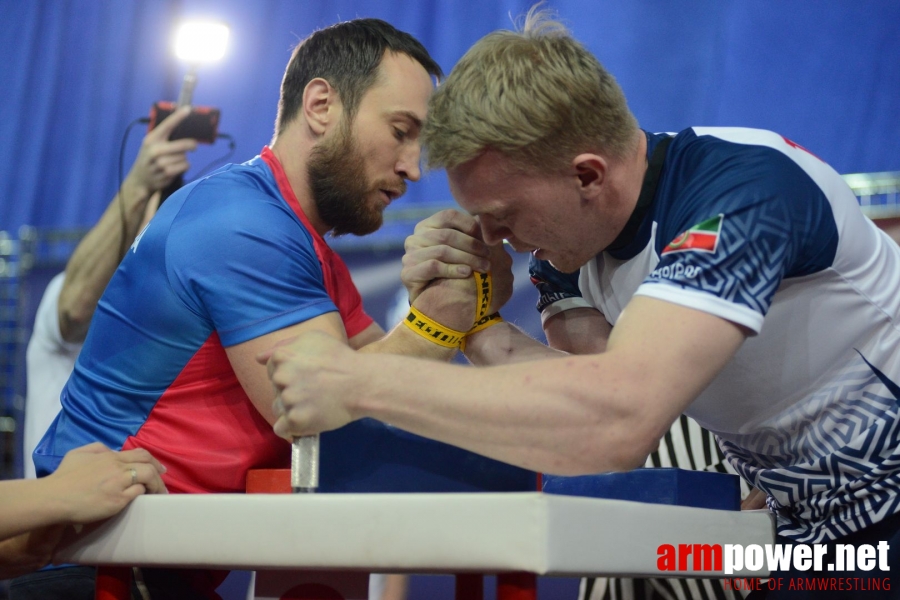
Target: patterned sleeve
[(751, 219), (558, 291)]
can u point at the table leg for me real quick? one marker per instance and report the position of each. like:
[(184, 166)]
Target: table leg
[(469, 586), (113, 583), (516, 586)]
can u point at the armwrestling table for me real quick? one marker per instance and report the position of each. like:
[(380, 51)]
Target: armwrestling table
[(438, 533)]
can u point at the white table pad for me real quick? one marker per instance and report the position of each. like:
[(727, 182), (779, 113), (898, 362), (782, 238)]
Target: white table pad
[(432, 533)]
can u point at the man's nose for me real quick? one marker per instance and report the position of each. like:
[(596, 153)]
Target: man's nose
[(492, 232), (408, 163)]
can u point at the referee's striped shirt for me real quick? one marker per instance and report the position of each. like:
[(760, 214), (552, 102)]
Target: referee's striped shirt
[(688, 446)]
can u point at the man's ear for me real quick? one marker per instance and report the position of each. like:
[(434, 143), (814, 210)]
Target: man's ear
[(591, 172), (321, 105)]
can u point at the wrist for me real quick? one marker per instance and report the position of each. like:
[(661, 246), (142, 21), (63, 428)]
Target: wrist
[(48, 497), (373, 388), (134, 195), (450, 302), (480, 325), (431, 330)]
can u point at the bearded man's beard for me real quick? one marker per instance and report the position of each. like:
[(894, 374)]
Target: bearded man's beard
[(337, 179)]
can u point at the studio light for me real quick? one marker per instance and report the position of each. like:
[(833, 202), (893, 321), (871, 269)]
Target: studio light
[(196, 43), (201, 42)]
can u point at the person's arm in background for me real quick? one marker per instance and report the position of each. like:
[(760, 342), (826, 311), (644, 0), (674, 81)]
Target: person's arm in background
[(570, 323), (98, 254), (92, 483)]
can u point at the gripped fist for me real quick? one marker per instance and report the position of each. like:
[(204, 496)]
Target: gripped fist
[(446, 245), (314, 380), (450, 302)]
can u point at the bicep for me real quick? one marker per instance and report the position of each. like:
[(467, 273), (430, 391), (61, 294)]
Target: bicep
[(670, 354), (254, 377), (578, 331)]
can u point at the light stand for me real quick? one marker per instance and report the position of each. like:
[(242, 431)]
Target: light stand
[(196, 42)]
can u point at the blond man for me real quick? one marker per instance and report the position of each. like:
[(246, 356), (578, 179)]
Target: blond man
[(717, 265)]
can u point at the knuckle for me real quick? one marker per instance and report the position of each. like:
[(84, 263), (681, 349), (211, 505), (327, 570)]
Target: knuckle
[(440, 236), (415, 242)]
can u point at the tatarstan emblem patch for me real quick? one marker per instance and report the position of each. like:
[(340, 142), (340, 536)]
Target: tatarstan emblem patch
[(703, 237)]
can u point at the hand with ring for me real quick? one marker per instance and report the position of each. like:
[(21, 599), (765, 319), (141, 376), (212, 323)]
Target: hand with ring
[(91, 483), (95, 482)]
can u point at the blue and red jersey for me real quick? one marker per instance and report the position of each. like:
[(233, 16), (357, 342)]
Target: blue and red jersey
[(226, 259)]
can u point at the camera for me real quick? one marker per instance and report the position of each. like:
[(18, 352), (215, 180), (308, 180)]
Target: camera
[(202, 124)]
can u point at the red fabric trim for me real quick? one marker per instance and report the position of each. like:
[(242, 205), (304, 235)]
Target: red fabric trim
[(284, 186), (338, 283)]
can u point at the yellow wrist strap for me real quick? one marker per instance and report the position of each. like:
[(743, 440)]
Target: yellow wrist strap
[(483, 283), (485, 322), (432, 330), (482, 319)]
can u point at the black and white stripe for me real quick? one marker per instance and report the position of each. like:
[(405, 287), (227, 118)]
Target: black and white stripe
[(688, 446)]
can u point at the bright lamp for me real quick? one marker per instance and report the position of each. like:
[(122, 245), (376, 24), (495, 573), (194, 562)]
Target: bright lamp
[(200, 42)]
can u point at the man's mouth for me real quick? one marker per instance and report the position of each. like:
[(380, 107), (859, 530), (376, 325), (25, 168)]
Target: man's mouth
[(521, 247), (390, 195)]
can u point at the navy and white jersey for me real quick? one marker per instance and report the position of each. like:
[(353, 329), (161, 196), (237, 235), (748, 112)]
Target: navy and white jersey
[(748, 226)]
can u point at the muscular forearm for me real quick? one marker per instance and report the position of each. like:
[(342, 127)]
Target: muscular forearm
[(504, 344), (569, 415), (96, 258), (538, 416)]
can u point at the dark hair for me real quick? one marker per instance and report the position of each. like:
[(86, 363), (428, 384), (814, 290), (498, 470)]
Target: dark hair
[(347, 56)]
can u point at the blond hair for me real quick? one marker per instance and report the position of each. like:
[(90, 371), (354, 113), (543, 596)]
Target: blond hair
[(536, 95)]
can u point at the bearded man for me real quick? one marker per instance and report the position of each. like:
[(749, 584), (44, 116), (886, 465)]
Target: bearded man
[(235, 263)]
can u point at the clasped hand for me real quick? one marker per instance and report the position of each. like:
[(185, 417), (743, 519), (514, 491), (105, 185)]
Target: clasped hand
[(318, 379), (448, 246)]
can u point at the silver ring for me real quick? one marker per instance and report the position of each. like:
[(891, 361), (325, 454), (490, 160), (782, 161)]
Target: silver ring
[(133, 475)]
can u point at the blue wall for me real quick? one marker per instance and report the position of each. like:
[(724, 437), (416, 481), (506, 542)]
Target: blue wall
[(74, 73)]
